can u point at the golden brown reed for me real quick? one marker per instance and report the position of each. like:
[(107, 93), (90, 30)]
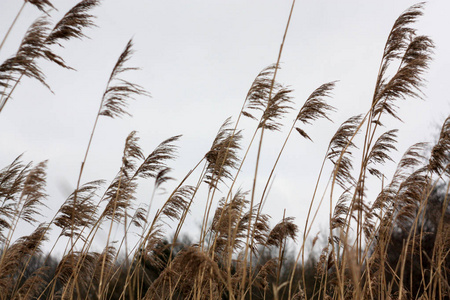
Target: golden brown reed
[(395, 247)]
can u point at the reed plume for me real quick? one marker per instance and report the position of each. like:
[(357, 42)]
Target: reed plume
[(42, 5), (80, 213), (440, 154), (73, 23), (340, 155), (33, 285), (12, 179), (315, 106), (33, 193), (15, 256), (228, 226), (121, 191), (37, 44), (23, 63), (379, 153), (413, 52), (183, 277), (86, 268), (222, 158), (285, 229), (258, 94), (119, 91), (154, 165)]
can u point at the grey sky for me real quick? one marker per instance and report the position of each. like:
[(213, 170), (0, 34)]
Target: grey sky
[(198, 59)]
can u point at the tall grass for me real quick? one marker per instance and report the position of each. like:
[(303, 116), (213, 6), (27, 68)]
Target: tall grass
[(391, 247)]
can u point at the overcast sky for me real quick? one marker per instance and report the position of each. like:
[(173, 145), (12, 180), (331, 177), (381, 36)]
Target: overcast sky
[(198, 59)]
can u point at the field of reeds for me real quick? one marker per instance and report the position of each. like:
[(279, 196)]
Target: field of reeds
[(391, 246)]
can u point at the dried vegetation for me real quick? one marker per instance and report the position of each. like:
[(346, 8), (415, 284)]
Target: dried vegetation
[(393, 247)]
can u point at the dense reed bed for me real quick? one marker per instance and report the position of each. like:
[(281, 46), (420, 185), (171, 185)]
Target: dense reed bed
[(395, 246)]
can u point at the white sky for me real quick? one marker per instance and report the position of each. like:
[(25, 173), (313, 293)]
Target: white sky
[(198, 59)]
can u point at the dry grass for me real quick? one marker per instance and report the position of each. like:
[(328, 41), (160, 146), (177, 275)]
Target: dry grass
[(395, 247)]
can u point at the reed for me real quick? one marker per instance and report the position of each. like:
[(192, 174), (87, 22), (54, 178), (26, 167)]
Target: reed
[(393, 247)]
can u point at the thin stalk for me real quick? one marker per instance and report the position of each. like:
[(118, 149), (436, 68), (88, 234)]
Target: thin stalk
[(307, 230), (280, 255), (12, 25), (82, 168), (334, 175), (260, 146), (140, 244), (208, 204), (232, 185), (247, 243), (185, 212), (100, 286), (237, 173)]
